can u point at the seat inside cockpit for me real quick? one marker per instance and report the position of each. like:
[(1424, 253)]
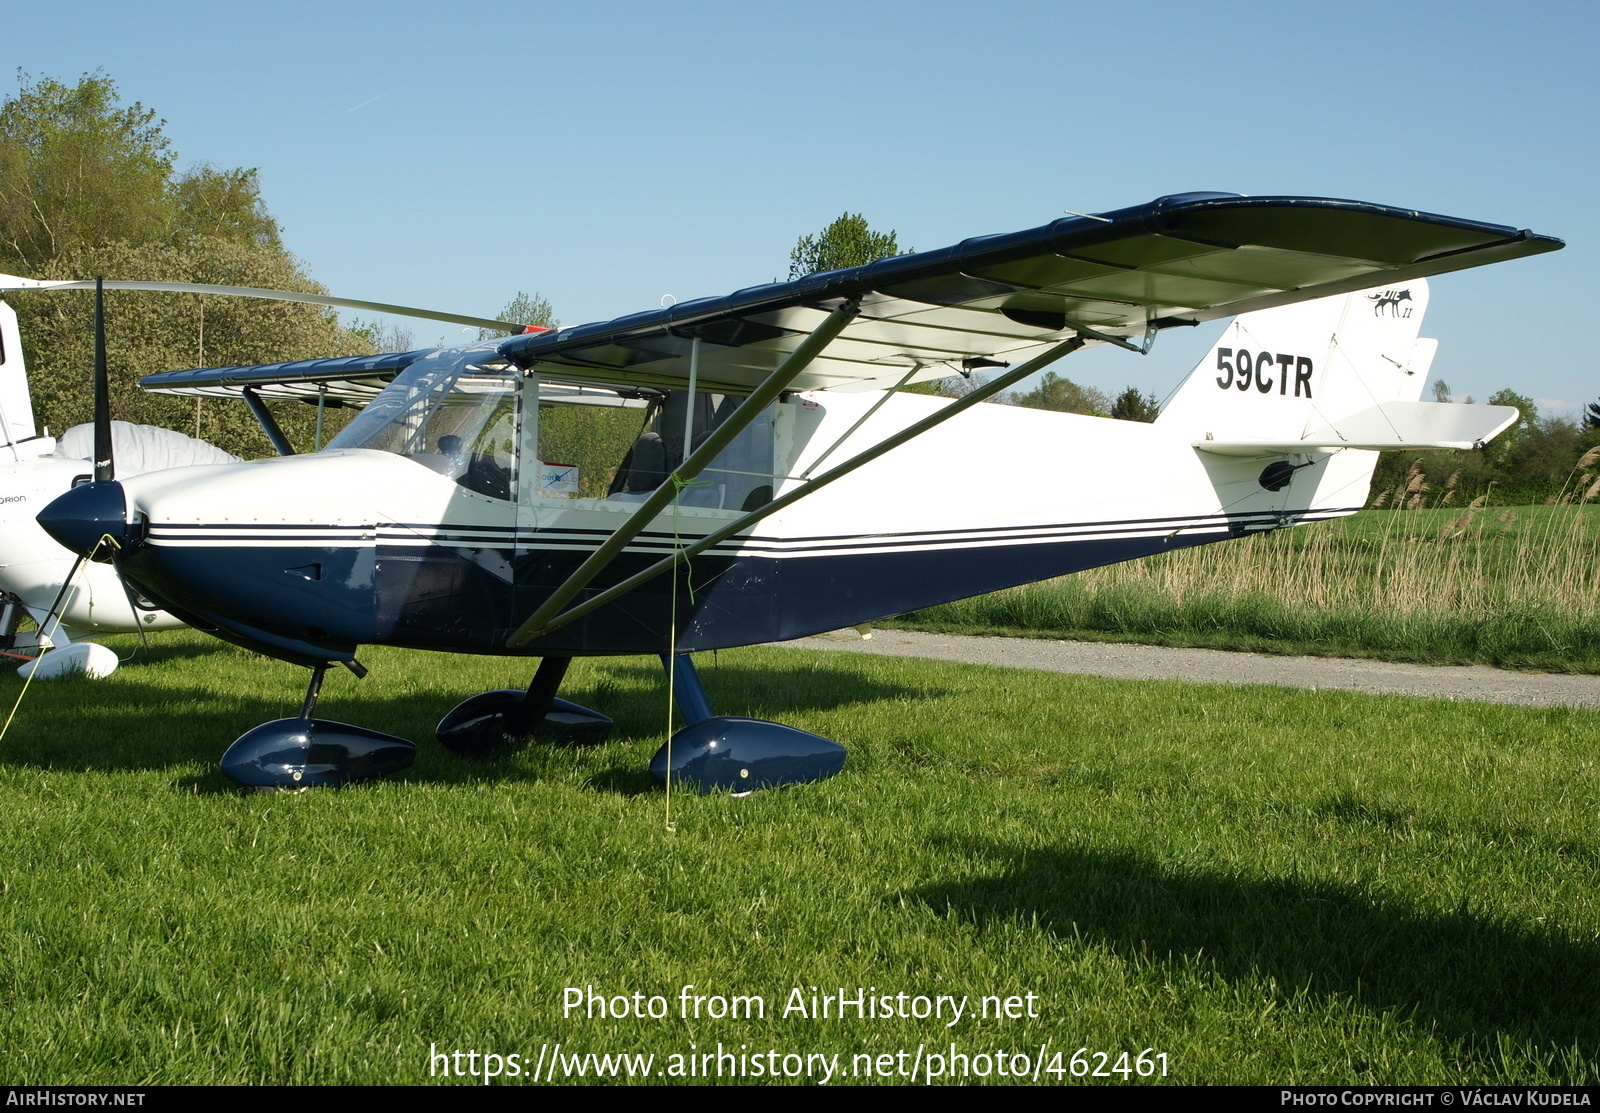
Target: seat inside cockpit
[(740, 478)]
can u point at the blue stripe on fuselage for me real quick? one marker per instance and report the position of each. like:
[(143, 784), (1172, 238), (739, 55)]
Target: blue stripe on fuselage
[(436, 596)]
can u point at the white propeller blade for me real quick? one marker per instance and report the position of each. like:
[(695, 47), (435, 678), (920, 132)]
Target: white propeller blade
[(11, 282)]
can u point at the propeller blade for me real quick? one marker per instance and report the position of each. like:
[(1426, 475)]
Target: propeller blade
[(11, 282), (104, 471)]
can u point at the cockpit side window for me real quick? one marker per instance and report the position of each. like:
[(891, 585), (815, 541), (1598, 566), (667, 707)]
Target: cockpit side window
[(740, 478), (585, 445), (460, 412)]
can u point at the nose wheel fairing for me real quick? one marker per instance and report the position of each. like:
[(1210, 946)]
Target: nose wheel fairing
[(314, 753), (304, 752)]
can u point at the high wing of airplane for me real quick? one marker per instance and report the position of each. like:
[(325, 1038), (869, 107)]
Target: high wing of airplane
[(748, 468)]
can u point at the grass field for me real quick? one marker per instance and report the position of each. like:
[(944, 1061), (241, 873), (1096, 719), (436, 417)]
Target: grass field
[(1264, 885), (1517, 587)]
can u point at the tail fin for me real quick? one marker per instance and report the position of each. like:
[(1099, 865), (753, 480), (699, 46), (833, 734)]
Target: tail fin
[(1340, 372), (16, 408)]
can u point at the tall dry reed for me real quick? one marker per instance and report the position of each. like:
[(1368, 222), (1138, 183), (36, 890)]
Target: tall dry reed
[(1424, 582)]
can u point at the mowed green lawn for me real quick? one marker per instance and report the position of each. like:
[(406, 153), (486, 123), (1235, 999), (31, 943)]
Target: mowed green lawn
[(1263, 885)]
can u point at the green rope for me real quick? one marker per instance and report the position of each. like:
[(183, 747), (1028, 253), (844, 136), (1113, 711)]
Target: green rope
[(678, 546), (680, 485)]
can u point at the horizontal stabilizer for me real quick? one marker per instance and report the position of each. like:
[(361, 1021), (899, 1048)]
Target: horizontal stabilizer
[(1387, 425)]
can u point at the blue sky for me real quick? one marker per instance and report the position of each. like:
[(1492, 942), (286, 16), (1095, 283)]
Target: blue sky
[(610, 153)]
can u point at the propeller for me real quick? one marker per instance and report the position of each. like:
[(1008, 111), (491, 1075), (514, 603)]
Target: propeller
[(11, 282), (90, 514), (104, 453), (86, 515), (104, 469)]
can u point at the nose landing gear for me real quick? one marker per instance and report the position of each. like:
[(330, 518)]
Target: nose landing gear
[(313, 753)]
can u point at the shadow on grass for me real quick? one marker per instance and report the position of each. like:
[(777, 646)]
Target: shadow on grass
[(770, 692), (623, 781), (1353, 811), (1466, 976), (160, 650), (144, 720)]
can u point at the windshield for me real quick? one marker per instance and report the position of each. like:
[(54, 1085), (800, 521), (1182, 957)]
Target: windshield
[(454, 411)]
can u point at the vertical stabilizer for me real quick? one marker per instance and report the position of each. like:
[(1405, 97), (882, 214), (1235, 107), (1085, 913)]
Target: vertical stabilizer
[(16, 408), (1279, 374)]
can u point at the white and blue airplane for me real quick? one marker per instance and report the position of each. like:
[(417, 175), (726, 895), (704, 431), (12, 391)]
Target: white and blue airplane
[(748, 468)]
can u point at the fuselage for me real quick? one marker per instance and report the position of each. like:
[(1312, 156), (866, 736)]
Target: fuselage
[(309, 557)]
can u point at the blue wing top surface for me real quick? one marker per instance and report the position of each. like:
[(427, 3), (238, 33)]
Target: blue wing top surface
[(1178, 260)]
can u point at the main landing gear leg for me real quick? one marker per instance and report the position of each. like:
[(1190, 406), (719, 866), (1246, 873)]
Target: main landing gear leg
[(314, 753), (735, 754), (493, 721)]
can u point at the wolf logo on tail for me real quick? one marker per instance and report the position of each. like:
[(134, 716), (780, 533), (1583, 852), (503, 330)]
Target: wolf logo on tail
[(1390, 300)]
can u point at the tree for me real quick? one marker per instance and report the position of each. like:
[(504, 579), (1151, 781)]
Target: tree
[(1542, 459), (1133, 406), (1066, 396), (1441, 390), (384, 336), (76, 171), (847, 242), (89, 187), (959, 386), (1591, 418), (225, 203), (524, 309), (1504, 447), (1529, 420)]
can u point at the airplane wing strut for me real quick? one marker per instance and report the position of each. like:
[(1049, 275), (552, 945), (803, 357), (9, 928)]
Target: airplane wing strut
[(758, 400), (529, 630)]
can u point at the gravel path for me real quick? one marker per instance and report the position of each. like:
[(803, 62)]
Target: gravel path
[(1213, 666)]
